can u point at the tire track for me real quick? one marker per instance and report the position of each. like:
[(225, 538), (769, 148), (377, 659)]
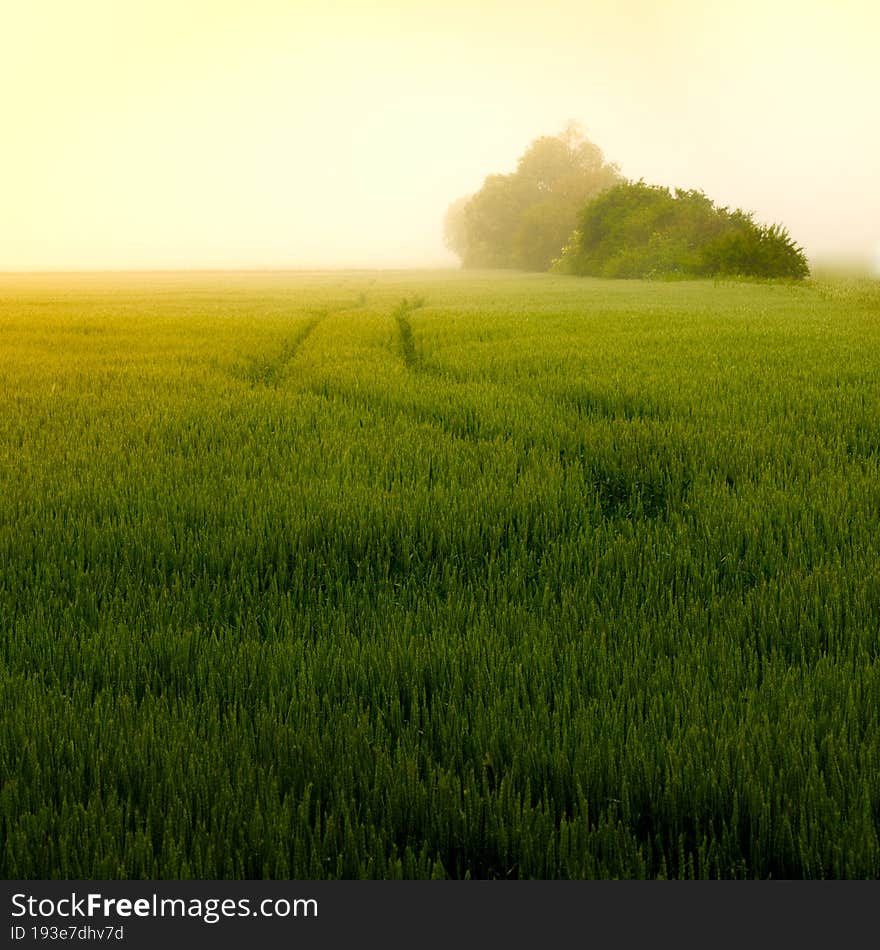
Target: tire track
[(411, 357), (269, 371)]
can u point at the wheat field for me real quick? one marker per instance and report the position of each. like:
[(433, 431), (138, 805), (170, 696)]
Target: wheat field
[(434, 574)]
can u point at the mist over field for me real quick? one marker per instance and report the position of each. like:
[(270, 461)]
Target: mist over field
[(277, 134)]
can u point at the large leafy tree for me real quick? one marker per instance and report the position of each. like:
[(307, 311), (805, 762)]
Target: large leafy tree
[(523, 219)]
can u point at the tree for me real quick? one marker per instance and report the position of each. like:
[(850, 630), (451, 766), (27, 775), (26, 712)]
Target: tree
[(523, 219), (455, 226)]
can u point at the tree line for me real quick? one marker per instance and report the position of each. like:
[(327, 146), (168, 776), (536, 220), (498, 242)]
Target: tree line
[(565, 208)]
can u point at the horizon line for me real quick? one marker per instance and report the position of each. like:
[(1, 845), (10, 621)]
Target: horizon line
[(226, 270)]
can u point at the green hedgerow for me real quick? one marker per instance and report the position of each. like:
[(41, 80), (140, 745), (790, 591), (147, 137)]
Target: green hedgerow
[(640, 230)]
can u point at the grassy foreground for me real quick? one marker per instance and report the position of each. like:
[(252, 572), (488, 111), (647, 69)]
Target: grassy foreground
[(426, 574)]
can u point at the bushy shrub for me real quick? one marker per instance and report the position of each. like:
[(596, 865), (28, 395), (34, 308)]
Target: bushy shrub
[(640, 230)]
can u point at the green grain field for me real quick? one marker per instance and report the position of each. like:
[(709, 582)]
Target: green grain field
[(427, 574)]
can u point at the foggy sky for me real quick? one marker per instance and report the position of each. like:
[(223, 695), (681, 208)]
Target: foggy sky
[(280, 133)]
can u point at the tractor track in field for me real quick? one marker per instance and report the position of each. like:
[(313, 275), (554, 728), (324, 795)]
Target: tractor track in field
[(268, 371), (410, 355)]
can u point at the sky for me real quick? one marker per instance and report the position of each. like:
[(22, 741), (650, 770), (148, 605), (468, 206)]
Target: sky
[(335, 133)]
